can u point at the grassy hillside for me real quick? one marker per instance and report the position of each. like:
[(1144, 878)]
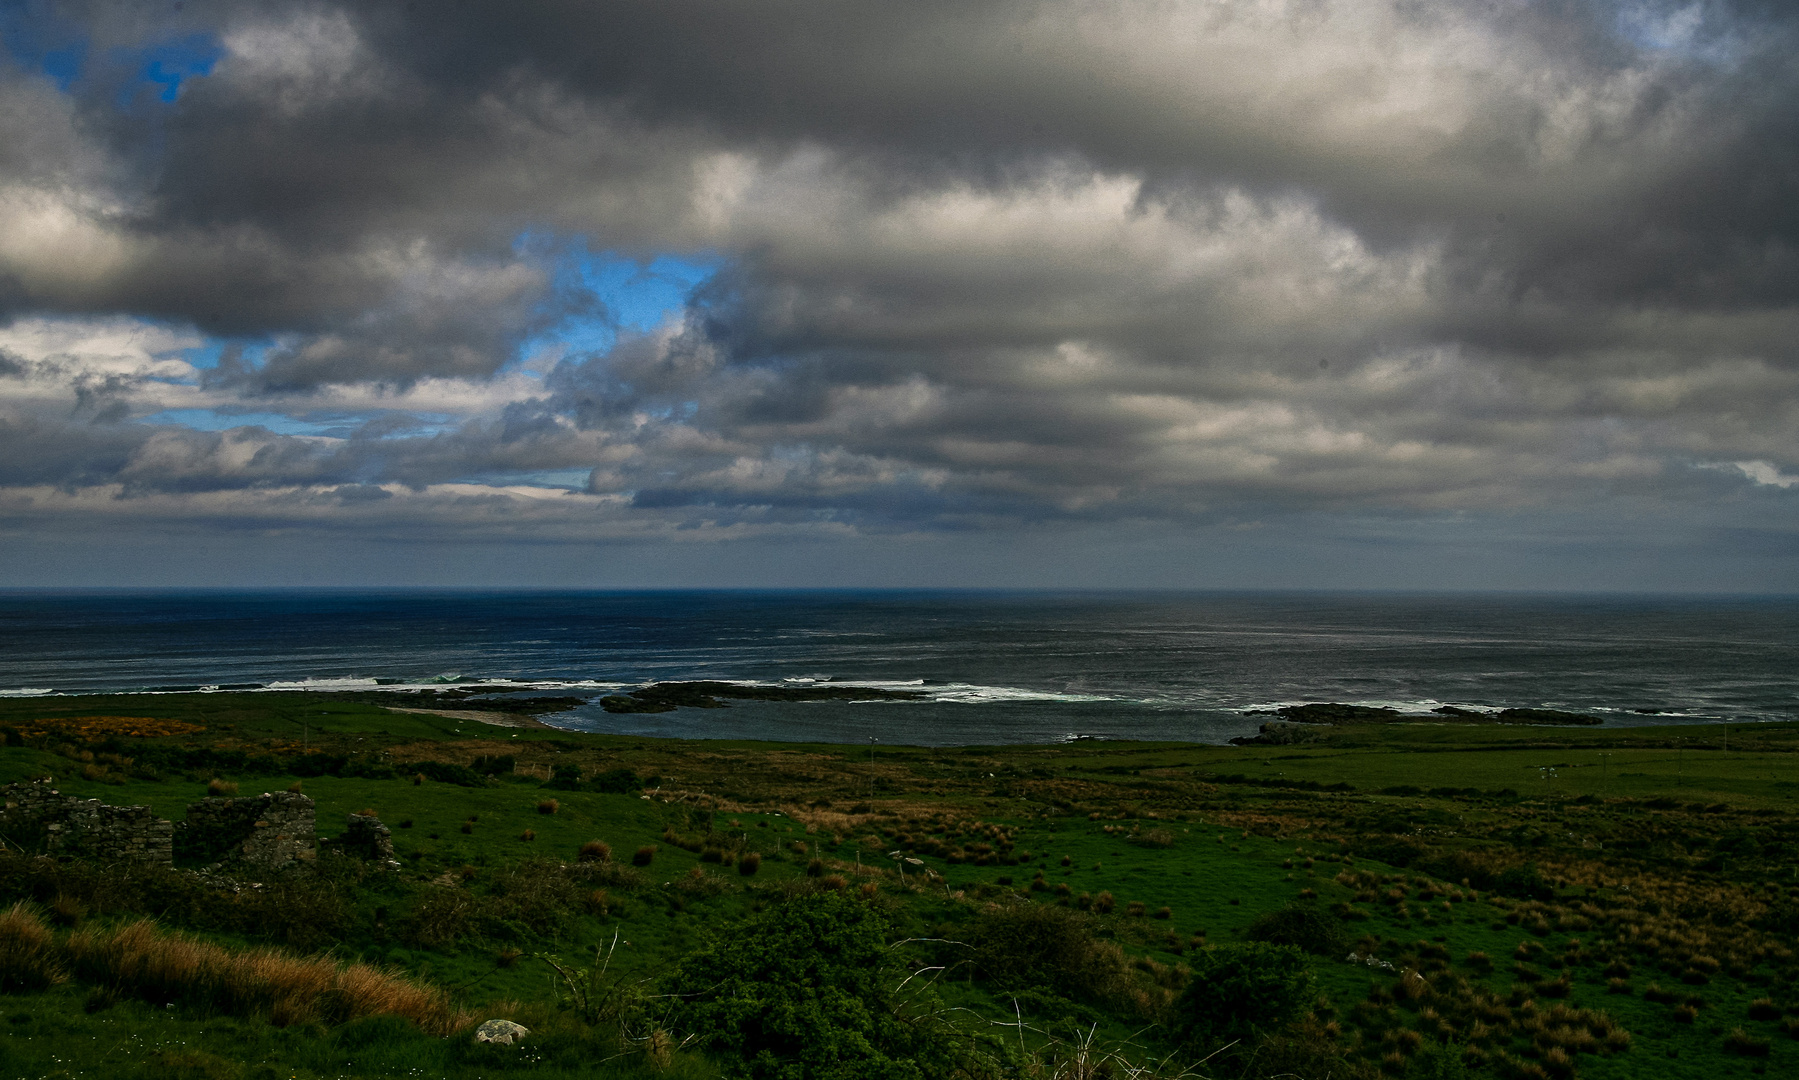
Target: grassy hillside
[(1471, 900)]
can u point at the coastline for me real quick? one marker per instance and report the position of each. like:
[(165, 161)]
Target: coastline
[(481, 716)]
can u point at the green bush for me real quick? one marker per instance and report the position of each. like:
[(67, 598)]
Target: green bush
[(1039, 946), (1303, 926), (1241, 991), (616, 782), (802, 991)]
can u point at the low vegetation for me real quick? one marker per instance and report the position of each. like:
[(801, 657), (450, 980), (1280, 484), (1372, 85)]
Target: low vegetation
[(1385, 899)]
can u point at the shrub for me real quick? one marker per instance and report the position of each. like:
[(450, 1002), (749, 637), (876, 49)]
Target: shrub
[(548, 806), (1036, 946), (1240, 991), (27, 952), (749, 864), (1153, 838), (1304, 927), (644, 855), (565, 778), (616, 782), (595, 851), (803, 990), (444, 772)]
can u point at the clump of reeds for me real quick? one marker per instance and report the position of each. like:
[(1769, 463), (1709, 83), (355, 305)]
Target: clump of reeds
[(644, 855), (595, 851), (140, 960), (749, 864), (28, 955), (218, 788), (1103, 903), (1764, 1009), (528, 835), (1744, 1044), (548, 806)]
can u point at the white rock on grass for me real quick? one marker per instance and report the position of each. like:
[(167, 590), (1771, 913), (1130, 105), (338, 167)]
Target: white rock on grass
[(500, 1031)]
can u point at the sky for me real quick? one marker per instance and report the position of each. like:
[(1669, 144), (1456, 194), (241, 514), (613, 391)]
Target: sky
[(1361, 294)]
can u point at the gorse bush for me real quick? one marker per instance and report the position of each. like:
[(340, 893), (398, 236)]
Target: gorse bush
[(1239, 991), (1041, 946), (1303, 926), (803, 992)]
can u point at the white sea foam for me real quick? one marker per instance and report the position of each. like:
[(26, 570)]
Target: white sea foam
[(1405, 706), (27, 691)]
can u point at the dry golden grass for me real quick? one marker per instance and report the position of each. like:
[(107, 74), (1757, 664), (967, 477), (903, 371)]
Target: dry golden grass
[(93, 728), (28, 959), (141, 960)]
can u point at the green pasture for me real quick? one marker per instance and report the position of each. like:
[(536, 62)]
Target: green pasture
[(1216, 836)]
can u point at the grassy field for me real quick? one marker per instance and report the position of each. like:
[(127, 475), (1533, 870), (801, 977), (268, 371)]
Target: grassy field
[(1479, 900)]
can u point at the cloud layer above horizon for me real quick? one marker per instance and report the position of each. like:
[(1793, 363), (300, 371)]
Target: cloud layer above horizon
[(657, 271)]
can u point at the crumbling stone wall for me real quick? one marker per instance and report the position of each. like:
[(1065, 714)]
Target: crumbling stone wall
[(271, 830), (36, 813), (364, 835)]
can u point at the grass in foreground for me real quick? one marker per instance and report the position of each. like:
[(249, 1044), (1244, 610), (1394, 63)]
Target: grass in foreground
[(1502, 902)]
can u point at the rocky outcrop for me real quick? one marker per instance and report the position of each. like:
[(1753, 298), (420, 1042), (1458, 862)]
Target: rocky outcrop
[(1282, 734)]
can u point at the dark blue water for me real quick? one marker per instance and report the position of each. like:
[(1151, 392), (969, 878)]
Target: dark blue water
[(998, 667)]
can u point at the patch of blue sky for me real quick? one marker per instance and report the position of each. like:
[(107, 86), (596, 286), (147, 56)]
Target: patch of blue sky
[(1681, 28), (333, 425), (170, 63), (218, 420), (39, 38), (561, 479), (637, 294)]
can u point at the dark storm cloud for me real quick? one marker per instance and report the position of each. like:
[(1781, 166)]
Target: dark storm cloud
[(983, 262)]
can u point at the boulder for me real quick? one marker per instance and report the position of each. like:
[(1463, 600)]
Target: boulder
[(501, 1031)]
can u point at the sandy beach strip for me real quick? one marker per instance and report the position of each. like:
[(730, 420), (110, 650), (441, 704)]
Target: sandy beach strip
[(480, 716)]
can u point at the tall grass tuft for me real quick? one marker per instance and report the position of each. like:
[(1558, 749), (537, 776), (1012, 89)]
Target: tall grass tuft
[(28, 958), (140, 960), (644, 855), (596, 851), (749, 864), (548, 806), (220, 788)]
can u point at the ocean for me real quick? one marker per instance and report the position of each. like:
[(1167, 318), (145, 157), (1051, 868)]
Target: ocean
[(996, 667)]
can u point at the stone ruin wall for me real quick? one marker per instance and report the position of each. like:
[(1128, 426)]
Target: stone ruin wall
[(74, 826), (269, 831)]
